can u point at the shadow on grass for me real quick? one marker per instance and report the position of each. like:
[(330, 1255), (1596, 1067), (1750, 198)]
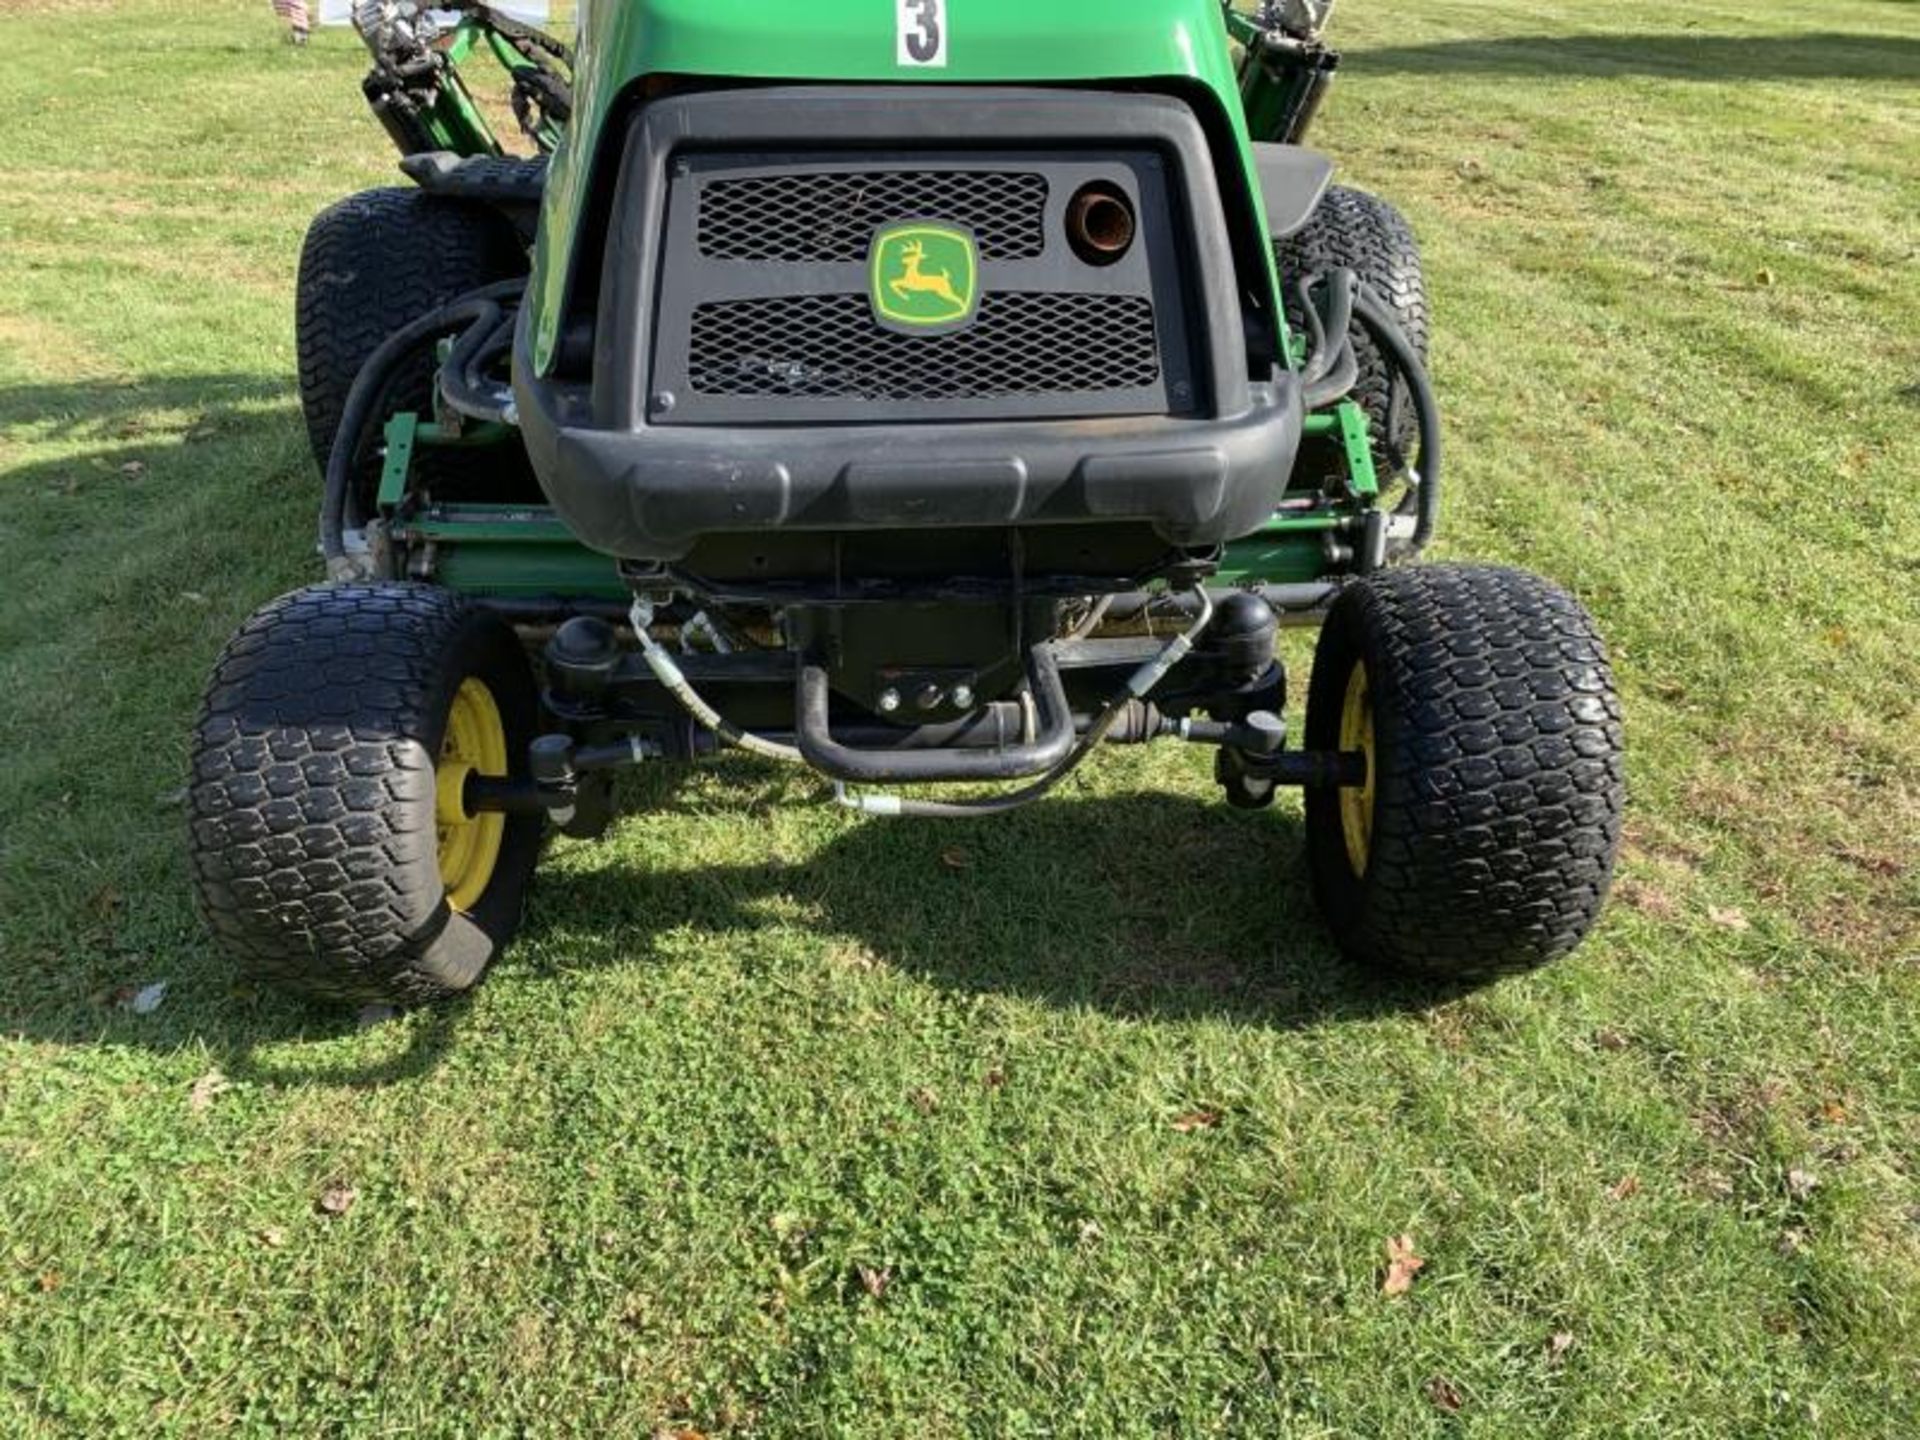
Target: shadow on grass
[(115, 409), (1158, 908), (1825, 56)]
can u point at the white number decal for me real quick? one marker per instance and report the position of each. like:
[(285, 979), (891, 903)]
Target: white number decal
[(923, 32)]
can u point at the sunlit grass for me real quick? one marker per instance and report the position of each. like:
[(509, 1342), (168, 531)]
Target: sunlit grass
[(780, 1124)]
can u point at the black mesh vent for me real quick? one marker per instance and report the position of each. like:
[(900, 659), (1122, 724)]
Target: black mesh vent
[(833, 217), (828, 347)]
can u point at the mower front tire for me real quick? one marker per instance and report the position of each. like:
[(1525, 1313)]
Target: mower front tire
[(333, 851), (1484, 840)]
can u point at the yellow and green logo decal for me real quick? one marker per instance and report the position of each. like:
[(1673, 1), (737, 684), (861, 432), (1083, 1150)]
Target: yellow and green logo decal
[(924, 278)]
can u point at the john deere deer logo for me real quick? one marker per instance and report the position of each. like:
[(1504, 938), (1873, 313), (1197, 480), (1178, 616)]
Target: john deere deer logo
[(925, 278)]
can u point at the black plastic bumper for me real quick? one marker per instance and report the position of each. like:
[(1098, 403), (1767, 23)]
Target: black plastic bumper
[(654, 494)]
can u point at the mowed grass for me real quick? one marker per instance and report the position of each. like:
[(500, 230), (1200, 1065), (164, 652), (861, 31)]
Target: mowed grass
[(782, 1124)]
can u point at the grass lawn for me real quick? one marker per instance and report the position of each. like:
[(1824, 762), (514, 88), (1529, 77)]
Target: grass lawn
[(782, 1124)]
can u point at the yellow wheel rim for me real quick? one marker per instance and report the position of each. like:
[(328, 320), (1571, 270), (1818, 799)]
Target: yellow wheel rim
[(476, 744), (1356, 805)]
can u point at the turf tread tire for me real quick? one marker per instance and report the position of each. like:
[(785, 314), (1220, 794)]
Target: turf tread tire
[(1500, 785), (1353, 230), (311, 808), (372, 263)]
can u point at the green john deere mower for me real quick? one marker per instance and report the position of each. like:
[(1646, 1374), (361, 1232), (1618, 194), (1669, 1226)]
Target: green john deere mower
[(924, 393)]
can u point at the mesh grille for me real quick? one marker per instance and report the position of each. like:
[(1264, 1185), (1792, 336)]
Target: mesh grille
[(833, 217), (827, 347)]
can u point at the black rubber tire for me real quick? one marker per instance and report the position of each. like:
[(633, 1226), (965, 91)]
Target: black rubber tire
[(1500, 783), (1355, 231), (312, 807), (371, 264)]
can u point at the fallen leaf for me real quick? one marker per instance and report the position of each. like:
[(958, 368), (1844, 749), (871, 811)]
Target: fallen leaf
[(1835, 1112), (670, 1432), (134, 469), (1196, 1120), (1444, 1393), (1558, 1344), (875, 1281), (1091, 1233), (1763, 277), (48, 1281), (273, 1237), (1625, 1188), (146, 1000), (1608, 1038), (1402, 1265), (1801, 1183), (956, 859), (337, 1199), (1729, 918), (994, 1078), (205, 1089), (924, 1100)]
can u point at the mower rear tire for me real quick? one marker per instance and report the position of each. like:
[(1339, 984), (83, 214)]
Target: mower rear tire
[(332, 850), (1484, 841), (373, 263), (1355, 231)]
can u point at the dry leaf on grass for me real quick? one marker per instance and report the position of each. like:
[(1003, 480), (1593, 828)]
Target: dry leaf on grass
[(205, 1090), (1402, 1265), (875, 1281), (1558, 1344), (147, 998), (1444, 1394), (1196, 1120), (336, 1199), (1728, 918), (1801, 1183), (1625, 1188), (48, 1281), (956, 859)]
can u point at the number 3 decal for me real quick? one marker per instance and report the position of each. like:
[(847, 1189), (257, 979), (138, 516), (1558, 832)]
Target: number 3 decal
[(923, 32)]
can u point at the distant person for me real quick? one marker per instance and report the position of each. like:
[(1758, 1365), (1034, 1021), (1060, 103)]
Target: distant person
[(294, 12)]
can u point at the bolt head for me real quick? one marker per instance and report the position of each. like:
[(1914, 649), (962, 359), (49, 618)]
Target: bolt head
[(963, 697), (889, 701)]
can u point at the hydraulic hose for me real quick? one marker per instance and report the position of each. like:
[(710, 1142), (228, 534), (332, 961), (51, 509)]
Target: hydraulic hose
[(464, 386), (368, 388), (661, 662), (1331, 369), (1138, 687), (1380, 322)]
